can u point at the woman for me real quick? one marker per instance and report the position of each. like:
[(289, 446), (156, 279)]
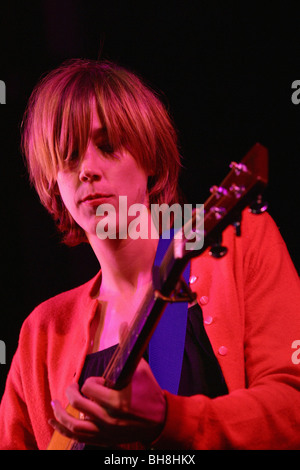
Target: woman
[(93, 132)]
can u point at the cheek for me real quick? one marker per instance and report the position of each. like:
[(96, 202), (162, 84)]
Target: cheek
[(67, 191), (136, 191), (137, 184)]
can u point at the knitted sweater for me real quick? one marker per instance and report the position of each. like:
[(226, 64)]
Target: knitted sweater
[(251, 303)]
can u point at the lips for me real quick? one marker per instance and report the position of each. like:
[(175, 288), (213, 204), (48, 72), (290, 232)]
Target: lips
[(95, 198)]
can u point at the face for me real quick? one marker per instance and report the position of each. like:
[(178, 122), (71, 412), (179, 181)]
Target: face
[(100, 177)]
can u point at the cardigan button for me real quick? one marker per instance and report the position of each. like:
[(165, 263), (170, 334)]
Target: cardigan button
[(203, 300), (223, 351), (208, 320), (193, 279)]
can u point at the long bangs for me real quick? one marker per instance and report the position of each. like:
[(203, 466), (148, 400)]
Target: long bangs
[(137, 120), (57, 124), (73, 121)]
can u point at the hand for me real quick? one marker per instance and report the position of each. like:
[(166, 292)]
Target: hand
[(136, 413)]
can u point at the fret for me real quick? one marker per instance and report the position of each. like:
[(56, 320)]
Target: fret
[(125, 350)]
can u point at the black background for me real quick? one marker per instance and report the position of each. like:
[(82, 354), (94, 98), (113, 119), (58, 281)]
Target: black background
[(225, 70)]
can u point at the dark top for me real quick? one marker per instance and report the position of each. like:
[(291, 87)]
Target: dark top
[(200, 374)]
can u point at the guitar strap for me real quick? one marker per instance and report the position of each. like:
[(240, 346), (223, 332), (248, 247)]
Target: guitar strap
[(166, 346)]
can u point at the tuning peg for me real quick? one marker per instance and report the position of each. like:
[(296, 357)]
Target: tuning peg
[(218, 191), (259, 206), (237, 190), (238, 167), (217, 250), (218, 212)]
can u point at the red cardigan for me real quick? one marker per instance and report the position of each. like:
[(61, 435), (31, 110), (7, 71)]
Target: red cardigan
[(251, 303)]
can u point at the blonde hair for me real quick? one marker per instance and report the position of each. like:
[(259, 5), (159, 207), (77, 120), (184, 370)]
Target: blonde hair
[(56, 126)]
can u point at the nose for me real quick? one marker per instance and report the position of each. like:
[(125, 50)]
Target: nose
[(90, 167), (87, 175)]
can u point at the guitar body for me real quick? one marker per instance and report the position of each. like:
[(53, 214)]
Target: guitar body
[(241, 186), (60, 442)]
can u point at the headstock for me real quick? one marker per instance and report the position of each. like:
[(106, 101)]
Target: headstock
[(242, 186)]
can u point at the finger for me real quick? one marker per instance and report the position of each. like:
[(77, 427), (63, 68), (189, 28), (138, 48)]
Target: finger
[(101, 428), (103, 414), (116, 406), (90, 408), (111, 400), (109, 431), (69, 425), (118, 402), (78, 401)]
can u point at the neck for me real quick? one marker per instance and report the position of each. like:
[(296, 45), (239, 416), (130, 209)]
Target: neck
[(126, 264)]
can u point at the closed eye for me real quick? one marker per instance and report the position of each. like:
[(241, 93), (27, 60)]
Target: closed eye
[(105, 148)]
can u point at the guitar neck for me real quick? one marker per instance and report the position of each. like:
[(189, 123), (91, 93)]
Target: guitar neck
[(129, 352), (244, 182)]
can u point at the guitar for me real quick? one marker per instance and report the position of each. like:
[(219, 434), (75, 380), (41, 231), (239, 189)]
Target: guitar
[(242, 186)]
